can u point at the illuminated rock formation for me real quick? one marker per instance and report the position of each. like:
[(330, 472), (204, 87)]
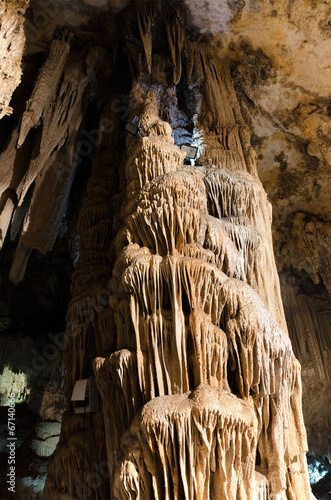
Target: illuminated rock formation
[(176, 307), (207, 389), (194, 323)]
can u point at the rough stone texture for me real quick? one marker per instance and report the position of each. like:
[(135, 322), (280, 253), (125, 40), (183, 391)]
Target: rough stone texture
[(281, 53), (308, 317), (44, 447), (13, 383), (194, 353), (201, 467), (278, 53), (12, 40), (30, 469)]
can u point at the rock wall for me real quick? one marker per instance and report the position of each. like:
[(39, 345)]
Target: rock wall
[(308, 317)]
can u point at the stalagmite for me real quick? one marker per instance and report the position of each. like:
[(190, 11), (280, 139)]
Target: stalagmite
[(176, 307), (195, 319), (88, 310), (194, 445)]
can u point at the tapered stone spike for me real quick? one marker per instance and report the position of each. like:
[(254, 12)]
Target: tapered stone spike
[(44, 88)]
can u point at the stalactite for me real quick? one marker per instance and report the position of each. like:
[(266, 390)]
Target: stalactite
[(226, 137), (19, 264), (237, 197), (175, 34), (145, 20), (164, 230), (13, 166), (39, 167), (45, 86), (151, 19), (42, 221), (65, 112), (60, 122)]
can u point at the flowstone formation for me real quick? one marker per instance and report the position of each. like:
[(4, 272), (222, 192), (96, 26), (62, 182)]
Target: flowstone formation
[(201, 395), (197, 348), (176, 306)]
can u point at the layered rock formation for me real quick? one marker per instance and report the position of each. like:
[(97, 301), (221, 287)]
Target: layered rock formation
[(207, 389)]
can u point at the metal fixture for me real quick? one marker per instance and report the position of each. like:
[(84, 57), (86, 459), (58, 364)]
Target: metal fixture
[(85, 396), (133, 126), (191, 151)]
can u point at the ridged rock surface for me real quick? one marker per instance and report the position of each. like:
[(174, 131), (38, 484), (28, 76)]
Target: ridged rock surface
[(176, 306), (205, 381)]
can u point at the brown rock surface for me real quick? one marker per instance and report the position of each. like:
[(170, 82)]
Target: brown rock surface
[(176, 283), (12, 41)]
